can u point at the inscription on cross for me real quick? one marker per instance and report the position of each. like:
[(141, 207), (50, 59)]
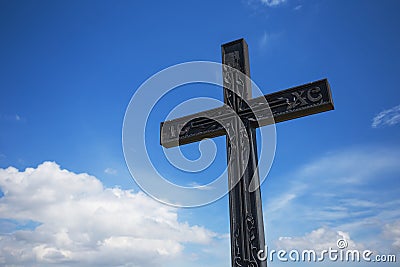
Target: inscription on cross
[(246, 222)]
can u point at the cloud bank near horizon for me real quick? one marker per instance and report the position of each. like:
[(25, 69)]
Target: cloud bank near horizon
[(57, 217)]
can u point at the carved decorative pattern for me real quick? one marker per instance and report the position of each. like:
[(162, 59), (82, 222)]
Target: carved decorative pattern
[(251, 229), (238, 259), (284, 105), (247, 235)]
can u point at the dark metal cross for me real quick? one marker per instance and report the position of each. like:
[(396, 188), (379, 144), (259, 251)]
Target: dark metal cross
[(246, 220)]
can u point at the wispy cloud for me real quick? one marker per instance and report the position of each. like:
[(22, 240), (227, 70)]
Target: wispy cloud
[(280, 202), (269, 39), (111, 171), (263, 40), (200, 186), (14, 117), (298, 7), (387, 117), (82, 223), (273, 3), (340, 191)]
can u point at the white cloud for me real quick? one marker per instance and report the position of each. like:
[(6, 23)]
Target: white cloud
[(269, 40), (387, 117), (200, 186), (298, 7), (264, 39), (280, 202), (84, 224), (318, 240), (15, 117), (392, 231), (111, 171), (273, 3), (354, 191)]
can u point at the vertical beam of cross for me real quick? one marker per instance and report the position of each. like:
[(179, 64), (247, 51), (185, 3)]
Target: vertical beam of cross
[(246, 221)]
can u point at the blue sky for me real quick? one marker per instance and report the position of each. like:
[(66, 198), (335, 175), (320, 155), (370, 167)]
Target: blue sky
[(69, 69)]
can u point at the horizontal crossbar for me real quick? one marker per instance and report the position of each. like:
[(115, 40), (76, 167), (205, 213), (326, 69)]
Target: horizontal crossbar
[(296, 102)]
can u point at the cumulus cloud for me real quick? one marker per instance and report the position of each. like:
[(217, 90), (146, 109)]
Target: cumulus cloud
[(392, 232), (320, 239), (387, 117), (79, 222), (273, 3)]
